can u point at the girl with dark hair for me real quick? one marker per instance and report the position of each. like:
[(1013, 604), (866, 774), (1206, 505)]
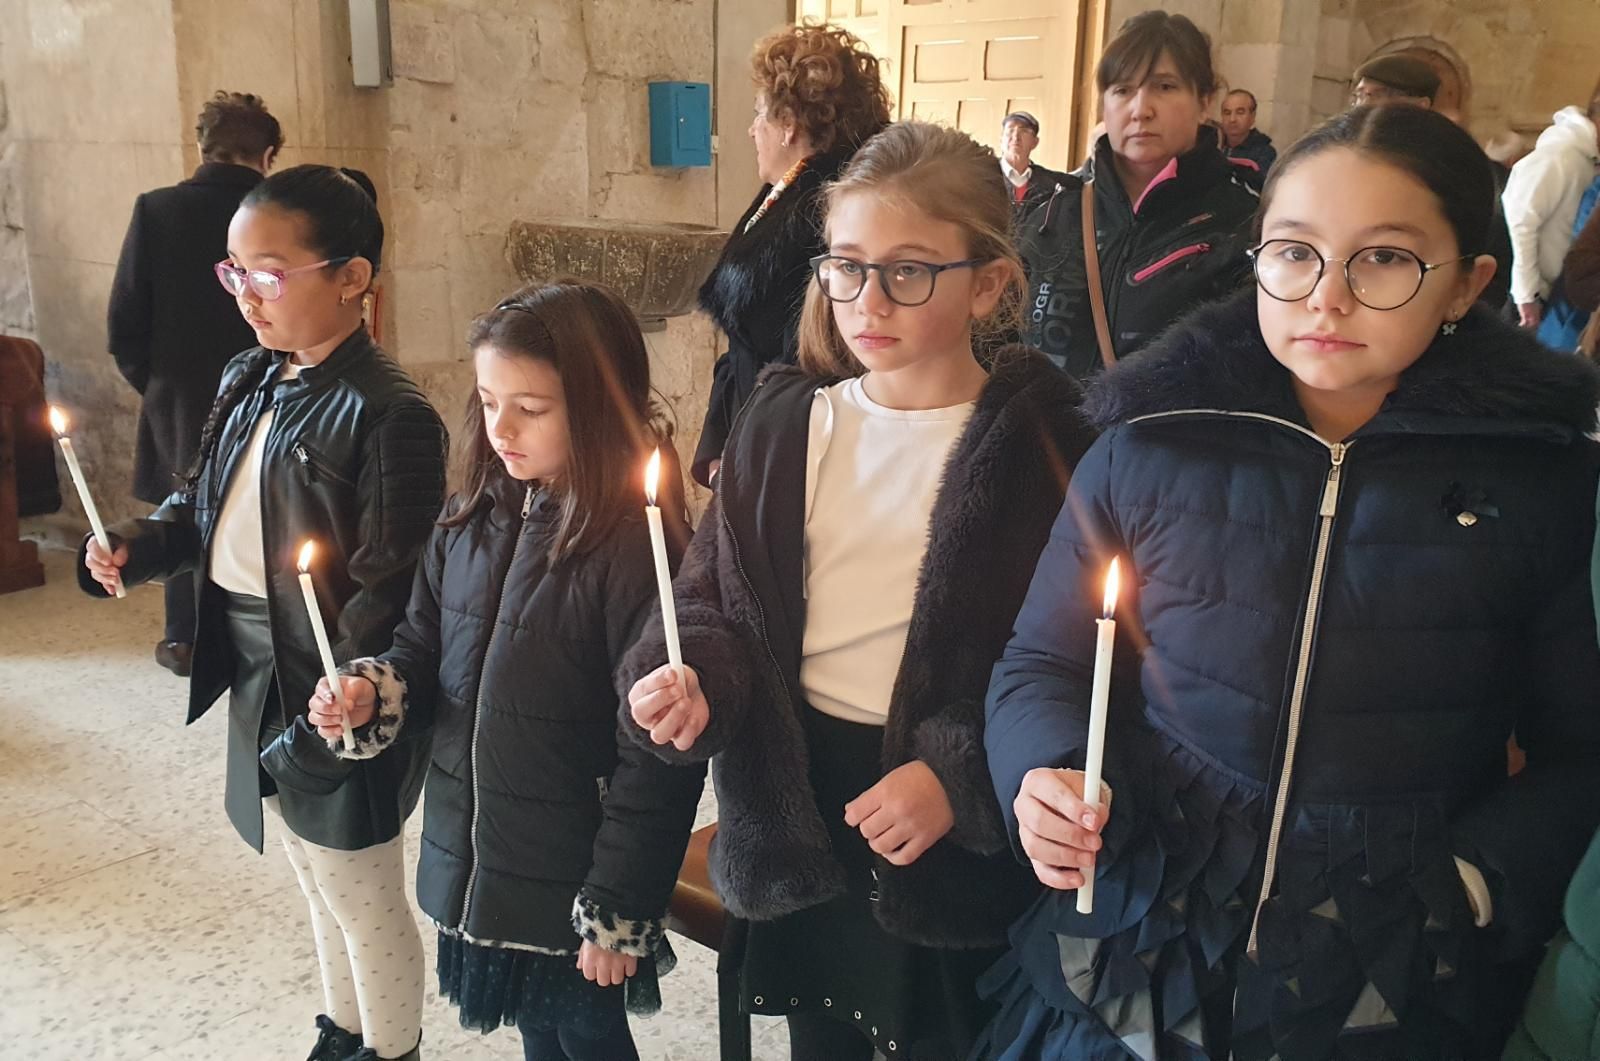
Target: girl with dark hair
[(549, 847), (316, 434), (1359, 512), (880, 510), (1170, 213)]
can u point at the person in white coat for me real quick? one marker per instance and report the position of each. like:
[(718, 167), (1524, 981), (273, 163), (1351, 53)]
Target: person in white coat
[(1541, 202)]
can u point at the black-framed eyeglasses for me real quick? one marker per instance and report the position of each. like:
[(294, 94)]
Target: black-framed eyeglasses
[(905, 283), (1380, 278)]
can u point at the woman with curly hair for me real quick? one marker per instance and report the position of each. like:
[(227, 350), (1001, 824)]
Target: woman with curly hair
[(819, 96)]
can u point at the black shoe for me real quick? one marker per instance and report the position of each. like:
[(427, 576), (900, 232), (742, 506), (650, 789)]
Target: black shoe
[(176, 656), (333, 1042), (367, 1053)]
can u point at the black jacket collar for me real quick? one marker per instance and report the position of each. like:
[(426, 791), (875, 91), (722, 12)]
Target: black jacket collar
[(1487, 378), (1197, 170), (313, 378), (226, 174)]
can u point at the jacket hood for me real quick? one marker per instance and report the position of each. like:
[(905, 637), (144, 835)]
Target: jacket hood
[(1570, 130), (1215, 358)]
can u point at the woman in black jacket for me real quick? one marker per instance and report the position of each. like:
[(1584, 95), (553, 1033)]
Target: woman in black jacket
[(316, 435), (818, 97), (1171, 212), (1359, 512), (879, 512), (544, 837)]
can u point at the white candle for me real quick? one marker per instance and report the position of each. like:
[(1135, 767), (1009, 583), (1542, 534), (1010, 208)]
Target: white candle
[(58, 421), (1099, 701), (325, 650), (658, 545)]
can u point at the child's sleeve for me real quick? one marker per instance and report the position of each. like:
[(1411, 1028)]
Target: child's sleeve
[(649, 805), (402, 485), (731, 663), (1038, 706), (407, 676), (162, 545)]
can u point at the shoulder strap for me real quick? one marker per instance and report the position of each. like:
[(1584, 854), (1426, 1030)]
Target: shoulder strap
[(1097, 295)]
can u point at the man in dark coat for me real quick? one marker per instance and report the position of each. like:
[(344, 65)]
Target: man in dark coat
[(171, 327), (1242, 141), (1030, 183)]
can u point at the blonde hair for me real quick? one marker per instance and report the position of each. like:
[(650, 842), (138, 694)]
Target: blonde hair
[(947, 175)]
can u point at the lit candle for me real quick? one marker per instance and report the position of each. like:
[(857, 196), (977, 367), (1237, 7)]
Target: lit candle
[(658, 545), (1099, 700), (325, 650), (58, 422)]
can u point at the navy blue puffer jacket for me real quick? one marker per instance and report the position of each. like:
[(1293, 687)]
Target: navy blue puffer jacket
[(1324, 651)]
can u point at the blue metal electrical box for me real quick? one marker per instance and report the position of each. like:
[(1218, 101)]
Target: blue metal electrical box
[(680, 123)]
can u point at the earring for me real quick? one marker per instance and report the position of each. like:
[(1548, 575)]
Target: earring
[(1449, 327), (343, 299)]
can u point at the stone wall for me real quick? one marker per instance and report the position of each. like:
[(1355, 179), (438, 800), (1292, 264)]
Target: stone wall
[(1523, 61), (500, 110)]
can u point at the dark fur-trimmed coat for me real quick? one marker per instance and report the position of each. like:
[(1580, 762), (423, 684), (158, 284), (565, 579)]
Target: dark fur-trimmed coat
[(755, 293), (741, 618)]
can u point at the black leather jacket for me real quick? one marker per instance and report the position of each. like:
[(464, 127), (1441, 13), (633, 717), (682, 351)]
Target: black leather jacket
[(355, 459)]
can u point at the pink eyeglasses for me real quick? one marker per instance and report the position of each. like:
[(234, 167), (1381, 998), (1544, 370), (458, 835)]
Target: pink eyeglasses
[(266, 283)]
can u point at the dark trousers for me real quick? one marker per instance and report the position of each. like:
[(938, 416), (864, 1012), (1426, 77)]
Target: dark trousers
[(564, 1044), (180, 609)]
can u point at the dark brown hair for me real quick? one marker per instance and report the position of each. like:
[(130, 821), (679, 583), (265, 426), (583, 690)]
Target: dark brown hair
[(1144, 38), (236, 127), (1423, 143), (590, 337), (947, 175), (826, 80)]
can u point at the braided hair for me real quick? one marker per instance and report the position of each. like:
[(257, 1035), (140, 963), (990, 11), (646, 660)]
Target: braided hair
[(340, 209)]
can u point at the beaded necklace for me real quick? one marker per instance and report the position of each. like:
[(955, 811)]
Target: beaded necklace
[(777, 189)]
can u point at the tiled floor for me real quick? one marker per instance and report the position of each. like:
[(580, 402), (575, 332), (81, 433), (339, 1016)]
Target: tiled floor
[(134, 924)]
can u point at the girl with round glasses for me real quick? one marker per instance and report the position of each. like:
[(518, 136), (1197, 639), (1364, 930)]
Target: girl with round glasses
[(1359, 514)]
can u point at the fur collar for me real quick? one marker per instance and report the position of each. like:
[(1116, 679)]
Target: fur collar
[(754, 266), (1215, 358)]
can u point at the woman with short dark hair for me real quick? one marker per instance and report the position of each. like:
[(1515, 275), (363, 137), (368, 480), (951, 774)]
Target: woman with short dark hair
[(1171, 213)]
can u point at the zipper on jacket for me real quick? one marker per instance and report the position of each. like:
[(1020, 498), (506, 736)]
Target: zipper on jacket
[(316, 466), (1302, 672), (477, 709), (1327, 508)]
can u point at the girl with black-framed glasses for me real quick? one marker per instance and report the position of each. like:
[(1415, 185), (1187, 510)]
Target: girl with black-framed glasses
[(1358, 512)]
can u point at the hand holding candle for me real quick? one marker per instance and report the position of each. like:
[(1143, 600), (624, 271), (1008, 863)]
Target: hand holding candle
[(1099, 701), (324, 649), (658, 545), (58, 423)]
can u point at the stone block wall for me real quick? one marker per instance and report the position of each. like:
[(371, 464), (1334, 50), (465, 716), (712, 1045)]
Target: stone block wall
[(500, 111)]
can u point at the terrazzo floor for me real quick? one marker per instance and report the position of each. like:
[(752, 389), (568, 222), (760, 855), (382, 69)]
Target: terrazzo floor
[(134, 924)]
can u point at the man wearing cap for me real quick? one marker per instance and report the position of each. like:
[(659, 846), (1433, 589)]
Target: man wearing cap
[(1395, 79), (1031, 183)]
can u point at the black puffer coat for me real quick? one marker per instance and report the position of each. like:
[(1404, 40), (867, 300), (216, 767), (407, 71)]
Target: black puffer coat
[(1379, 615), (742, 617), (354, 459), (533, 801), (755, 293), (1183, 242)]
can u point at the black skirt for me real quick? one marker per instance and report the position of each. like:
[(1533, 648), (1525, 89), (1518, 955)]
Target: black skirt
[(835, 958), (530, 990)]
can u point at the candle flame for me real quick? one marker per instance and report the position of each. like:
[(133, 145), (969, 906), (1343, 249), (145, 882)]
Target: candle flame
[(307, 552), (58, 420), (652, 475), (1113, 584)]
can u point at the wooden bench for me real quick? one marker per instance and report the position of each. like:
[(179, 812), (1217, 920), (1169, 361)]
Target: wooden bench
[(21, 393), (696, 912)]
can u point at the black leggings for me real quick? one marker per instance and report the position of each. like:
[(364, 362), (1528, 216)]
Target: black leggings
[(819, 1037), (563, 1044)]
